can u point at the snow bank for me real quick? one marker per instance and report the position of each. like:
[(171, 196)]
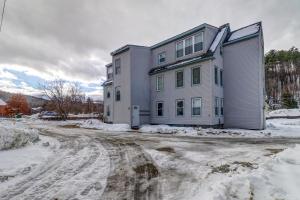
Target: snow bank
[(278, 178), (165, 129), (284, 113), (14, 135), (96, 124)]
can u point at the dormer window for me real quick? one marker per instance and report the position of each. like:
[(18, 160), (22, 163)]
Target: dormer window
[(109, 72), (161, 57), (188, 46), (198, 42), (179, 49)]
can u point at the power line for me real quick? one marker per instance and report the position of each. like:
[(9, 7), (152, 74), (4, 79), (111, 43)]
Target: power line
[(4, 2)]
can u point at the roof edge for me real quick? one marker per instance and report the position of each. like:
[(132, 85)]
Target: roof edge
[(242, 39)]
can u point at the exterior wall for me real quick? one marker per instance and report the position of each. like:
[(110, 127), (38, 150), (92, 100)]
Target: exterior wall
[(170, 48), (108, 102), (140, 83), (244, 85), (121, 111), (170, 93)]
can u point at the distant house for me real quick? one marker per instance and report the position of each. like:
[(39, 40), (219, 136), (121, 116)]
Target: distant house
[(2, 107), (207, 76)]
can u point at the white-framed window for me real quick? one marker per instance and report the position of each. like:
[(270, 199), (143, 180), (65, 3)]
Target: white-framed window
[(160, 108), (179, 49), (118, 66), (179, 107), (159, 82), (188, 47), (118, 94), (222, 106), (161, 57), (216, 76), (179, 75), (198, 42), (221, 77), (109, 72), (217, 105), (196, 75), (196, 106)]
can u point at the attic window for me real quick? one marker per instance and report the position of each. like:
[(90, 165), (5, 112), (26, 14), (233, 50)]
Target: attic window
[(198, 39)]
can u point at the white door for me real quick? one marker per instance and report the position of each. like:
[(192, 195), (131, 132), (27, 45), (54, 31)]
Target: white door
[(135, 116)]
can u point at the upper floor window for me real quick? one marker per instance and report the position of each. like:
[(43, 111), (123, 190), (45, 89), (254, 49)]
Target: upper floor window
[(188, 46), (179, 107), (196, 106), (216, 76), (179, 78), (161, 57), (160, 109), (217, 105), (118, 94), (159, 82), (108, 94), (198, 42), (179, 49), (221, 77), (109, 73), (118, 66), (196, 75)]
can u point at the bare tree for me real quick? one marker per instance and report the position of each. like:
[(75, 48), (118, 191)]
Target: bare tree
[(63, 95)]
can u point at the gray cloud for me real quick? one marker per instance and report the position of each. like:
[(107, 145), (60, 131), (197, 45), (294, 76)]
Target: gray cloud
[(73, 38)]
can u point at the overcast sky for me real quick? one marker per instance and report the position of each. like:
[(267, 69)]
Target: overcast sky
[(72, 39)]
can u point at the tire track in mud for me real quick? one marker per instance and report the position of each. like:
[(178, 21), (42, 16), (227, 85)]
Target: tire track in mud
[(133, 174)]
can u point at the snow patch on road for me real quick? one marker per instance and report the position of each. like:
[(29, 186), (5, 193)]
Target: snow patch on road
[(97, 124)]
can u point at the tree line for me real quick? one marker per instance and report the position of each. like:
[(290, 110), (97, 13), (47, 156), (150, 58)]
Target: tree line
[(282, 74)]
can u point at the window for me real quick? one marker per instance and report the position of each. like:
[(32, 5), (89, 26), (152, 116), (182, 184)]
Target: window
[(221, 77), (188, 46), (108, 94), (216, 106), (195, 75), (198, 42), (118, 94), (179, 78), (222, 107), (179, 49), (216, 76), (159, 82), (179, 107), (107, 111), (196, 106), (109, 73), (161, 57), (160, 108), (118, 66)]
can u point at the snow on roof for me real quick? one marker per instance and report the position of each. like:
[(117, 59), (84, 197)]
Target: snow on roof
[(2, 103), (249, 30), (217, 39)]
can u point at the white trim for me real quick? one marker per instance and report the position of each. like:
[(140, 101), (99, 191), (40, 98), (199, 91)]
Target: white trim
[(162, 81), (156, 109), (192, 106), (177, 100), (176, 71)]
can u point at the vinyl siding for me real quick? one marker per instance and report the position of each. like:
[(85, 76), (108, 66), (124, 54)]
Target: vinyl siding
[(243, 85)]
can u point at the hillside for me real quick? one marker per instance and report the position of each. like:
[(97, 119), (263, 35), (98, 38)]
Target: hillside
[(282, 71), (33, 101)]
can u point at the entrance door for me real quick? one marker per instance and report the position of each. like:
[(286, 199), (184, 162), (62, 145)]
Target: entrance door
[(135, 112)]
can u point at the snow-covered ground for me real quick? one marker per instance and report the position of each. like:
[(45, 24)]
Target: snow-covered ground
[(284, 113), (87, 159)]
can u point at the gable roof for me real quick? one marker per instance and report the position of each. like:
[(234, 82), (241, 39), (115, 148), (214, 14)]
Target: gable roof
[(246, 32), (2, 103)]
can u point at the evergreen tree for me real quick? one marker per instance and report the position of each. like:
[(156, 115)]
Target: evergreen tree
[(288, 101)]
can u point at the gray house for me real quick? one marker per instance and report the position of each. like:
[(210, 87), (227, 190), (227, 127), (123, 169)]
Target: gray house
[(207, 76)]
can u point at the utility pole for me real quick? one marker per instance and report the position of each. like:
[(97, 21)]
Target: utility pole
[(2, 16)]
